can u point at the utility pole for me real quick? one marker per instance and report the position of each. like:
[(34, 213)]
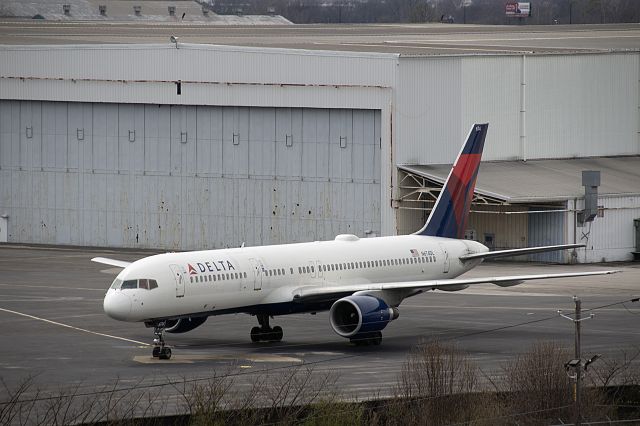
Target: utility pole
[(577, 363), (577, 355)]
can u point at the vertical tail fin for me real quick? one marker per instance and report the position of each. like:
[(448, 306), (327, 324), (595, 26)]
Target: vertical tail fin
[(451, 211)]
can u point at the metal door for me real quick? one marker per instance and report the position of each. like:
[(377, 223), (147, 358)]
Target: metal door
[(258, 269), (180, 275), (445, 255)]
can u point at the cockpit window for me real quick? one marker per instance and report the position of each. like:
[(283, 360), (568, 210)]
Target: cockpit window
[(129, 284), (132, 284)]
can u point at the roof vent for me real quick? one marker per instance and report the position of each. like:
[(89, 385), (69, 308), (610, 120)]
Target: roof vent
[(66, 8), (172, 10), (103, 9), (137, 10)]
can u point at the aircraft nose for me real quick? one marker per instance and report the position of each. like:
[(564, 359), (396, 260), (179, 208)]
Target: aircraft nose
[(117, 305)]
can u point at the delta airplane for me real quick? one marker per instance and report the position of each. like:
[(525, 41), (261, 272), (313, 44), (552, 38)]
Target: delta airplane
[(362, 282)]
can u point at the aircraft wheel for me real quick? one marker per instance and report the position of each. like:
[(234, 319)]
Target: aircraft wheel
[(165, 353), (156, 351), (377, 339), (256, 334), (277, 333)]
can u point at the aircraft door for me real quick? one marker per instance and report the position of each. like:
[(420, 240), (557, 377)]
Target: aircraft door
[(258, 273), (319, 268), (312, 269), (445, 255), (180, 275)]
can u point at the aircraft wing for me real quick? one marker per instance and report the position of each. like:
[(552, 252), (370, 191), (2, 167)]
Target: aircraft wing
[(518, 252), (302, 294), (112, 262)]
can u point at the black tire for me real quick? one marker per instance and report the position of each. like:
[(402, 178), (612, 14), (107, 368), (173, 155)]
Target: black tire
[(256, 334), (156, 351), (165, 353), (377, 339), (277, 333)]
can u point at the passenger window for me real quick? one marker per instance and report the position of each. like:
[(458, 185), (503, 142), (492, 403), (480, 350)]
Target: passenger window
[(129, 284), (143, 284), (291, 271)]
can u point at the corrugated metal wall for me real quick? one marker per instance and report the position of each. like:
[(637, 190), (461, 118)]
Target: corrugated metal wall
[(175, 176), (506, 231), (547, 229), (610, 237), (553, 106)]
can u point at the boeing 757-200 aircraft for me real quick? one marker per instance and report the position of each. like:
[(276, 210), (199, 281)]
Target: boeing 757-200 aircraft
[(362, 282)]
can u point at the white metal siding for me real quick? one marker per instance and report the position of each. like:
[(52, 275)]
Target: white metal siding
[(611, 237), (582, 105), (551, 106), (184, 176)]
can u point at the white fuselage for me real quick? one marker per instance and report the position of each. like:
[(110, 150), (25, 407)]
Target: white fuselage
[(213, 282)]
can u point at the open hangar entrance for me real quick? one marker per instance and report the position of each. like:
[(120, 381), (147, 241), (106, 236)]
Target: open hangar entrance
[(536, 203), (499, 221)]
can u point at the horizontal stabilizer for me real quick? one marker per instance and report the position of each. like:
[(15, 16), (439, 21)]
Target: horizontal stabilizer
[(112, 262), (518, 252)]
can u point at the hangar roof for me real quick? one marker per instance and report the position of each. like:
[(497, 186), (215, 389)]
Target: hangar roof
[(403, 39), (544, 180)]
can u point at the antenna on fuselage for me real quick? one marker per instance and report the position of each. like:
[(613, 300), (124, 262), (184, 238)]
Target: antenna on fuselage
[(242, 246)]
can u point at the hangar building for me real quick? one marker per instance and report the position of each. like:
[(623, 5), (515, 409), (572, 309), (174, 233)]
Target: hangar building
[(300, 133)]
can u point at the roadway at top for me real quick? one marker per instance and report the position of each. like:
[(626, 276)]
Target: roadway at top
[(403, 39)]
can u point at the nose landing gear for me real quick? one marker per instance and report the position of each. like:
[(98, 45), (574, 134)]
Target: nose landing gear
[(264, 332), (159, 349)]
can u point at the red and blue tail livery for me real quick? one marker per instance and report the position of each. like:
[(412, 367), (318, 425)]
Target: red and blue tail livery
[(450, 213)]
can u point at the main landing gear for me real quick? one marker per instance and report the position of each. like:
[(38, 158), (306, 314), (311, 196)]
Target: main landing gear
[(159, 349), (264, 332)]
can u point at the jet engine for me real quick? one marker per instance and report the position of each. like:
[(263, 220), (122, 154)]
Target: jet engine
[(361, 316), (183, 325)]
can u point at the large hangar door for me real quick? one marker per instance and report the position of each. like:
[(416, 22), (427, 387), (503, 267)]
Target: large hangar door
[(187, 177)]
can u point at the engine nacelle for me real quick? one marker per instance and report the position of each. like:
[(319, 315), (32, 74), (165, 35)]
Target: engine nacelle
[(183, 325), (358, 315)]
